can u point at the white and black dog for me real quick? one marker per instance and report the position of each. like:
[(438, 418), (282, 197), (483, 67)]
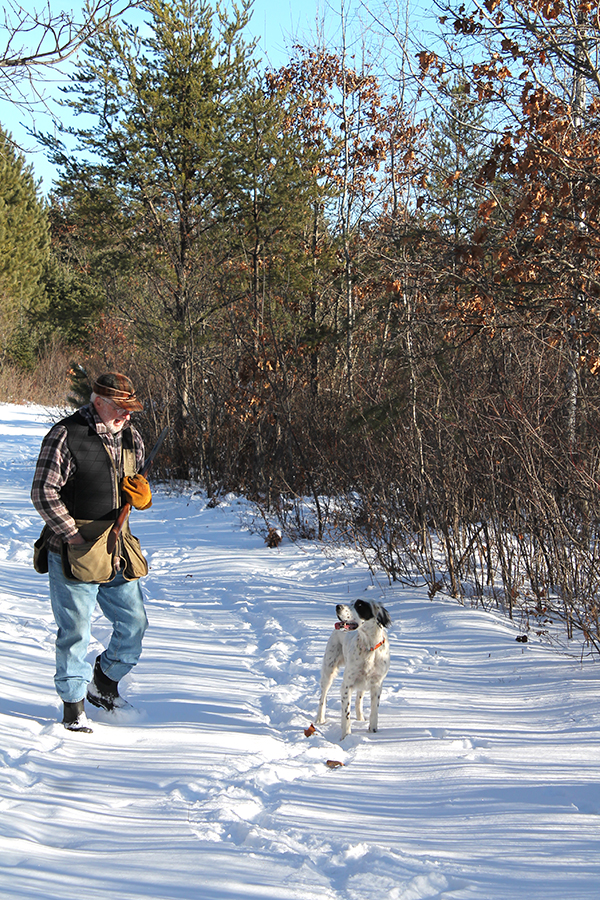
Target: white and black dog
[(359, 644)]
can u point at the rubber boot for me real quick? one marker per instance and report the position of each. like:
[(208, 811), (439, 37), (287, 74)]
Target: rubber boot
[(74, 717), (103, 692)]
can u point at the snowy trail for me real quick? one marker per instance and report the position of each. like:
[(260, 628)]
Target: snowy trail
[(482, 783)]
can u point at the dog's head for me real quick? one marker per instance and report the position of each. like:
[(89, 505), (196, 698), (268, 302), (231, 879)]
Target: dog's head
[(345, 614), (368, 609)]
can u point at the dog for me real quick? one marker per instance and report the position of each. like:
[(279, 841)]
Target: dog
[(359, 644)]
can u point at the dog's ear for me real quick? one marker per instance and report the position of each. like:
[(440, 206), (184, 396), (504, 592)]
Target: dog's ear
[(383, 617), (363, 609)]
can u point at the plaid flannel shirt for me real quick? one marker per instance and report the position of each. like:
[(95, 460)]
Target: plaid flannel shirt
[(55, 465)]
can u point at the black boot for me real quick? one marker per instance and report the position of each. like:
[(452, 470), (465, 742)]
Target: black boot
[(103, 692), (74, 717)]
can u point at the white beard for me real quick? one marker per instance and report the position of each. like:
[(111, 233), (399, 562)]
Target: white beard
[(115, 429)]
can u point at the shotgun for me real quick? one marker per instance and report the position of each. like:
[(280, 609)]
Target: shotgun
[(115, 531)]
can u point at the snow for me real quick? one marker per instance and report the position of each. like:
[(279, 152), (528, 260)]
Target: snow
[(481, 784)]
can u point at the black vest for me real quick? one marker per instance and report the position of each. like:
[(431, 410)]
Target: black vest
[(90, 491)]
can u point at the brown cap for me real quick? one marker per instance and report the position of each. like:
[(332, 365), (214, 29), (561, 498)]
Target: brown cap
[(118, 388)]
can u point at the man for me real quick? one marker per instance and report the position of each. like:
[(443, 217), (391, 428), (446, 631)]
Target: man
[(85, 472)]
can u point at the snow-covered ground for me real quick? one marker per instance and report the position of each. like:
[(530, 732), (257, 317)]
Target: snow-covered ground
[(483, 782)]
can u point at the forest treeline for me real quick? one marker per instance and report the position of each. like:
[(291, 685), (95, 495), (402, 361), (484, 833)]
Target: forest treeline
[(369, 278)]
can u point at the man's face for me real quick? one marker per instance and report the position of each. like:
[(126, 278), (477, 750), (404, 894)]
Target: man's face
[(114, 417)]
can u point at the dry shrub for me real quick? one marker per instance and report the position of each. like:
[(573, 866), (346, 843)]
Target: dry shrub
[(47, 384)]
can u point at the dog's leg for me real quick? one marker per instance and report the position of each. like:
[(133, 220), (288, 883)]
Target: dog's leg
[(325, 685), (358, 706), (375, 698), (328, 673), (346, 701), (332, 660)]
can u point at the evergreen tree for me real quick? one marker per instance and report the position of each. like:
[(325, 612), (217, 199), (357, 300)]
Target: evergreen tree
[(71, 306), (458, 153), (148, 184), (24, 247), (274, 192)]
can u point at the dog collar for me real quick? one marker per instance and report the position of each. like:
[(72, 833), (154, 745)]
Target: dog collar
[(346, 626), (380, 644)]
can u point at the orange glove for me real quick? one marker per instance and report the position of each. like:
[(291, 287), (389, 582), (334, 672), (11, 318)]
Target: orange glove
[(136, 491)]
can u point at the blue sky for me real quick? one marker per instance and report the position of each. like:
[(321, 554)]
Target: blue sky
[(273, 22)]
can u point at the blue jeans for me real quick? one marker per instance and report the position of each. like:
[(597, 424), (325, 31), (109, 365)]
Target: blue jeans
[(73, 603)]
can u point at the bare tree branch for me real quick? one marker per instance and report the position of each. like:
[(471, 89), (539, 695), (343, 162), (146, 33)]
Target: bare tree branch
[(32, 41)]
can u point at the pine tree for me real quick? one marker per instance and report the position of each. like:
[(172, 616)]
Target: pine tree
[(72, 304), (458, 152), (24, 246), (148, 181), (274, 192)]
